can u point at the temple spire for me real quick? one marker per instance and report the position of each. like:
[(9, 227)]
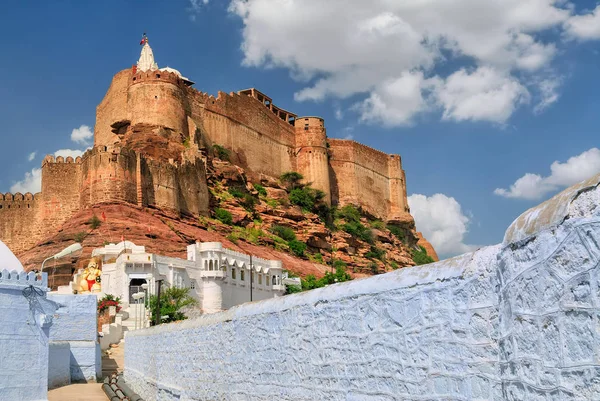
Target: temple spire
[(146, 61)]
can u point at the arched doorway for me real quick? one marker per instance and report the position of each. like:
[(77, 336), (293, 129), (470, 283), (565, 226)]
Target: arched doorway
[(135, 285)]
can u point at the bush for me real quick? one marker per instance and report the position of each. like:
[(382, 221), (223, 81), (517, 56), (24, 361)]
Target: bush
[(79, 237), (317, 258), (303, 197), (221, 152), (291, 179), (358, 230), (248, 202), (374, 268), (292, 289), (378, 224), (109, 300), (398, 232), (272, 202), (394, 265), (297, 247), (349, 213), (94, 222), (260, 189), (236, 192), (224, 216), (420, 256), (337, 264), (375, 253), (172, 300), (283, 232)]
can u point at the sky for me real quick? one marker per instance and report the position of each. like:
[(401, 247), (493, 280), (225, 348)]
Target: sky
[(493, 105)]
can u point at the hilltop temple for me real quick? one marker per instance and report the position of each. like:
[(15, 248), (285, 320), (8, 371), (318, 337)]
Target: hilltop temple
[(153, 134)]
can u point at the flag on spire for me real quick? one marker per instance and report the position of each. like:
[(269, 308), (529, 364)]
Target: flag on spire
[(144, 39)]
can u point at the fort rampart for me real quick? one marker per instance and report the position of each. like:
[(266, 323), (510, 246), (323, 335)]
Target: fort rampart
[(515, 321)]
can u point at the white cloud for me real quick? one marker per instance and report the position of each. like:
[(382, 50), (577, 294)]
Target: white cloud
[(534, 186), (585, 26), (82, 135), (485, 94), (441, 220), (383, 44), (31, 156), (69, 152), (32, 182)]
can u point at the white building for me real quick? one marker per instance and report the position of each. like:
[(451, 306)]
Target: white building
[(218, 278)]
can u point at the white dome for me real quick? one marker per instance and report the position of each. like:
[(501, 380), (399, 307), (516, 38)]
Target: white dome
[(174, 71), (8, 260)]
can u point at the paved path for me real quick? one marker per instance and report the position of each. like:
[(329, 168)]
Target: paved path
[(78, 392), (91, 391)]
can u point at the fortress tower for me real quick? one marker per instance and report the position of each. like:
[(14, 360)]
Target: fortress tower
[(311, 153), (153, 133)]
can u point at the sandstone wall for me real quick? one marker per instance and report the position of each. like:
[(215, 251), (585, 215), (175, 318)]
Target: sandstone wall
[(361, 175), (516, 321), (108, 175), (312, 156), (260, 141), (19, 227), (113, 108), (179, 188)]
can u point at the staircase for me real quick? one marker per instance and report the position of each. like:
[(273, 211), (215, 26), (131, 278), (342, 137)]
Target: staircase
[(136, 319)]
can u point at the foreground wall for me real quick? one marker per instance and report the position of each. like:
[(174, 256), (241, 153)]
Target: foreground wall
[(75, 324), (517, 321)]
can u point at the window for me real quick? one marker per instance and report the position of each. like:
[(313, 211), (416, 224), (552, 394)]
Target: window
[(157, 75), (260, 279), (193, 285), (210, 265), (242, 275), (233, 274), (267, 279)]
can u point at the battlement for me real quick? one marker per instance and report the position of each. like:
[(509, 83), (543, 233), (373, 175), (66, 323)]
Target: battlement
[(23, 279), (18, 201), (138, 77), (61, 159)]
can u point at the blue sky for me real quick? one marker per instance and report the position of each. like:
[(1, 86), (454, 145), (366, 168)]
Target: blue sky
[(473, 97)]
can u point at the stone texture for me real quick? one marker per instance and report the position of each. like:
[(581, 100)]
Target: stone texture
[(517, 321)]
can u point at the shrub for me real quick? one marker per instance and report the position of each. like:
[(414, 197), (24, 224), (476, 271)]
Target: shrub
[(224, 216), (221, 152), (297, 247), (349, 213), (283, 232), (79, 237), (374, 268), (292, 289), (317, 258), (339, 264), (378, 224), (109, 300), (291, 179), (358, 230), (272, 202), (248, 202), (236, 192), (172, 300), (398, 232), (94, 222), (303, 197), (420, 256), (375, 253), (394, 265), (260, 189)]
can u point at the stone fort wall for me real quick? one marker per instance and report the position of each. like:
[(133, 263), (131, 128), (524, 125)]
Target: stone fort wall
[(260, 140), (101, 175), (515, 321)]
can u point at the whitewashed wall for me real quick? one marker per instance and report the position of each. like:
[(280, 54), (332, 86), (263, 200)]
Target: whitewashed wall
[(24, 332), (75, 322), (517, 321)]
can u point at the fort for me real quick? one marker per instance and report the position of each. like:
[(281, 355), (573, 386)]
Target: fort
[(153, 135)]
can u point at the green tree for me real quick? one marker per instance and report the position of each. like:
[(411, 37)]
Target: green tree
[(291, 179), (297, 247), (283, 232), (172, 301), (94, 222)]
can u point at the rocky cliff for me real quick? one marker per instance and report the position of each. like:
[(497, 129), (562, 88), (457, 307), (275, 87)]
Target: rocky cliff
[(260, 217)]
